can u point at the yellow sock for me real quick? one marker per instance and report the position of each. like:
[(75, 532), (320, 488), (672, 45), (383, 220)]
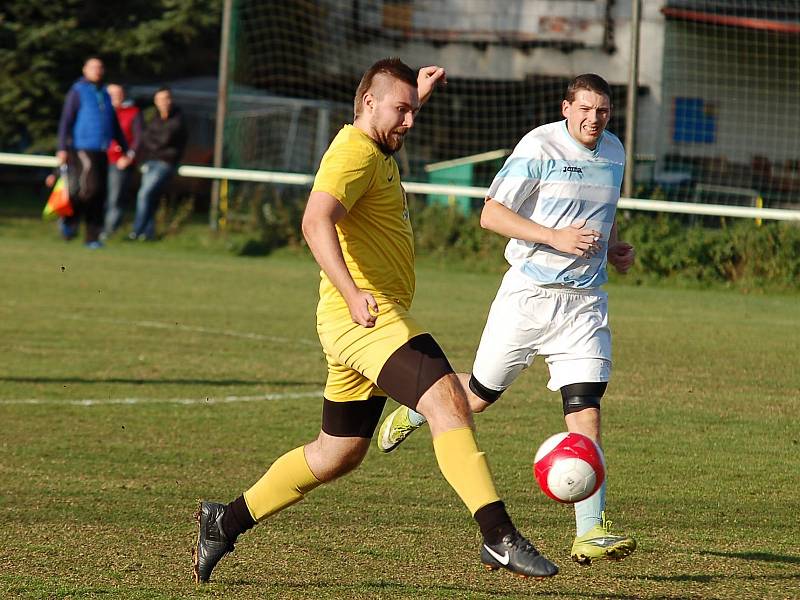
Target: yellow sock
[(286, 482), (465, 467)]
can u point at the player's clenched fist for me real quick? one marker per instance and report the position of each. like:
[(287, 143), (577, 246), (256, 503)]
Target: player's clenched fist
[(427, 79), (363, 309), (621, 255), (576, 239)]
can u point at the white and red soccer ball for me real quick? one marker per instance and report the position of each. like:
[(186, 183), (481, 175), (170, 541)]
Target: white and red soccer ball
[(569, 467)]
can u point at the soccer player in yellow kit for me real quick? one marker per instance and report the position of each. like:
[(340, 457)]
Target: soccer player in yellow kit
[(357, 225)]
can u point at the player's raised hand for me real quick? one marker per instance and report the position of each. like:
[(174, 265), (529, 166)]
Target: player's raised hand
[(621, 255), (363, 308), (577, 239), (427, 79)]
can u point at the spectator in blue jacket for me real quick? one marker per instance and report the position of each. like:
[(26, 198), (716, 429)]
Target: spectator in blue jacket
[(88, 124)]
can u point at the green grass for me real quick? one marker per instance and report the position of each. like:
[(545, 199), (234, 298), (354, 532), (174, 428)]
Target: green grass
[(96, 500)]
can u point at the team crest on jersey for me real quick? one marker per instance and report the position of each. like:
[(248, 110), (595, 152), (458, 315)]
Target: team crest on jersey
[(571, 169), (405, 204)]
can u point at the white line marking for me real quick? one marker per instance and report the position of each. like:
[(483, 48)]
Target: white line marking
[(131, 401), (196, 329)]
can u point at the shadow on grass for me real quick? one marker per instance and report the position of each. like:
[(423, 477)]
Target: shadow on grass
[(128, 381), (752, 556), (679, 578), (712, 578), (390, 589), (758, 556)]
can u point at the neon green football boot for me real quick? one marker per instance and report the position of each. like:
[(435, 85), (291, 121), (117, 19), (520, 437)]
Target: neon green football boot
[(599, 542), (394, 429)]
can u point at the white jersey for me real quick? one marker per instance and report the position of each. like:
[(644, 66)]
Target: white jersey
[(553, 180)]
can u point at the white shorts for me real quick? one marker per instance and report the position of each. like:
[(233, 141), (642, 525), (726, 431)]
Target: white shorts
[(569, 327)]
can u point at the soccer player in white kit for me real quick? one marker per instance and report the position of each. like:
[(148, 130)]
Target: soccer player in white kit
[(555, 198)]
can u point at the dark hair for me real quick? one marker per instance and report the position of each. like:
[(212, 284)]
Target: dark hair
[(391, 67), (588, 81), (163, 88)]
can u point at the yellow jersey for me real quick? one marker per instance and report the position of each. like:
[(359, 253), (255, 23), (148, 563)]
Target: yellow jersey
[(376, 237)]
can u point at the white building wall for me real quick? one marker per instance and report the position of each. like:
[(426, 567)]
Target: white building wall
[(506, 62), (754, 91)]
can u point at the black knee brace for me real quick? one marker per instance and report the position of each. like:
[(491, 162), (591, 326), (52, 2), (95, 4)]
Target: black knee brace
[(579, 396), (482, 392)]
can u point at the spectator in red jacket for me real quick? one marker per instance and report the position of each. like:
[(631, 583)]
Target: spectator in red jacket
[(119, 169)]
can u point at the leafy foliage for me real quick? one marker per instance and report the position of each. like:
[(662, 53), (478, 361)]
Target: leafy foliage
[(737, 254), (43, 45), (740, 254)]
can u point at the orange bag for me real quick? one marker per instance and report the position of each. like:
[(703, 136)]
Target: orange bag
[(58, 204)]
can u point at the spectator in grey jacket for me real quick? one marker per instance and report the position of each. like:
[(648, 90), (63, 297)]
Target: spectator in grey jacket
[(161, 148)]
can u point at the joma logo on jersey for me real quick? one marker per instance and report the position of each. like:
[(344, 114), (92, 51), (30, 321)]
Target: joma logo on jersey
[(577, 170)]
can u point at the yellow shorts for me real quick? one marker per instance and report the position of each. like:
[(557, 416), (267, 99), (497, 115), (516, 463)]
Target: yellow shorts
[(356, 354)]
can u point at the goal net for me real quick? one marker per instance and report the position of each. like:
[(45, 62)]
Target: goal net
[(717, 97), (728, 127), (295, 67)]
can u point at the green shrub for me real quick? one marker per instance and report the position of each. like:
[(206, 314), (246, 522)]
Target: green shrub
[(262, 218), (678, 249), (447, 234), (738, 253)]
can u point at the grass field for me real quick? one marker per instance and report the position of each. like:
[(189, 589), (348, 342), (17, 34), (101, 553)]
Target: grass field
[(139, 378)]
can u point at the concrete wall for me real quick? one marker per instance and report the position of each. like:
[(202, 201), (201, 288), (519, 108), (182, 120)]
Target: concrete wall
[(466, 59), (750, 78)]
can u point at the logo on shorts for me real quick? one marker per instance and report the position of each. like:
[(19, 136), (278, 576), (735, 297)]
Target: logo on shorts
[(569, 169)]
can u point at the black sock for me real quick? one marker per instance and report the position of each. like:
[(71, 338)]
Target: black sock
[(236, 519), (494, 522)]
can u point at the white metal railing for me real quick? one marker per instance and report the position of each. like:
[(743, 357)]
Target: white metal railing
[(719, 210)]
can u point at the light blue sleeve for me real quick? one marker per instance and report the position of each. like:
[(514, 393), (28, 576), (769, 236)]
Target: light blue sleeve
[(517, 180)]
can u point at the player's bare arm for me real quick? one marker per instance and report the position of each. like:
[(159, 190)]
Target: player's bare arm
[(322, 213), (575, 239), (427, 80), (620, 254)]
